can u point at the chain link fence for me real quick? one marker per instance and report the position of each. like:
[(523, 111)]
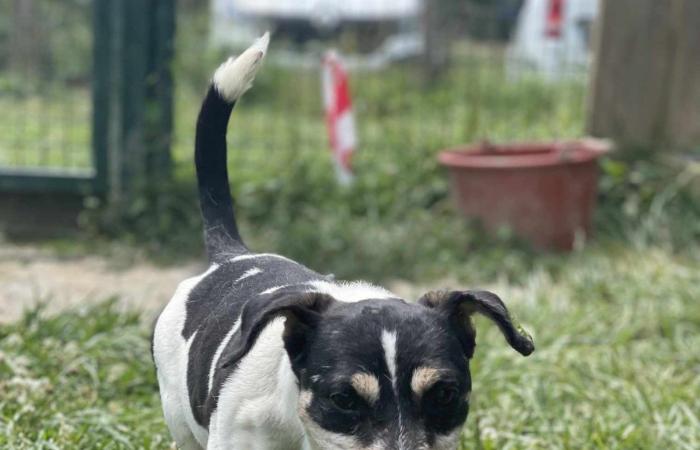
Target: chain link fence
[(45, 82), (423, 75), (422, 79)]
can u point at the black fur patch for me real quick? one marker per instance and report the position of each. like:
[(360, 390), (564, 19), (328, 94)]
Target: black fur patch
[(348, 340), (214, 306)]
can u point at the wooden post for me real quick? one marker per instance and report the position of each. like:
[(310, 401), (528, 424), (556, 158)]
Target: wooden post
[(683, 121), (646, 78)]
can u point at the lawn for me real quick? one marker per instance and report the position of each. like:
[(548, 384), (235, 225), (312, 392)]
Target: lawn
[(617, 366)]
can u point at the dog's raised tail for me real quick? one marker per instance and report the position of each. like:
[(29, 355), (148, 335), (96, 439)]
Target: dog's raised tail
[(231, 80)]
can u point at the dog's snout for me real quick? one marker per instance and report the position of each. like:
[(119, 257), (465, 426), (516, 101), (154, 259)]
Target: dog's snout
[(400, 436)]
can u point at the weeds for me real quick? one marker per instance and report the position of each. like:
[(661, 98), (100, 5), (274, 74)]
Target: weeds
[(79, 380)]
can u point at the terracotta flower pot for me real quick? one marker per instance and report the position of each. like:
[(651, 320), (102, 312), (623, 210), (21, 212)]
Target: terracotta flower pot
[(545, 192)]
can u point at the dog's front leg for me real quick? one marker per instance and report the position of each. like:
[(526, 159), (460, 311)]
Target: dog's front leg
[(256, 438), (233, 439)]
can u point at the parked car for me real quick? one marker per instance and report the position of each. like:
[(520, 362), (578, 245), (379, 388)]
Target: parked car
[(381, 31), (552, 38)]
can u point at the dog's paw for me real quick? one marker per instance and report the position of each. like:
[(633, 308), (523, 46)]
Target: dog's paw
[(236, 75)]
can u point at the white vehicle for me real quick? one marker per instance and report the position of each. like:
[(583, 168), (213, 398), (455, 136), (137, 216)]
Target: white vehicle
[(390, 29), (552, 39)]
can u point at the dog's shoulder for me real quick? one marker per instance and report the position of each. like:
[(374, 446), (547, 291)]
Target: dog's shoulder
[(222, 292), (214, 307)]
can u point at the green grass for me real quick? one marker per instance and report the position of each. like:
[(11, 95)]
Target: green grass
[(617, 366), (47, 126), (80, 380)]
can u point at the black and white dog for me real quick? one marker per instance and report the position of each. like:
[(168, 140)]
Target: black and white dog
[(260, 352)]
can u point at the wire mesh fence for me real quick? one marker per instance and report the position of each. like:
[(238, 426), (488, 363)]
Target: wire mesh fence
[(421, 78), (45, 79)]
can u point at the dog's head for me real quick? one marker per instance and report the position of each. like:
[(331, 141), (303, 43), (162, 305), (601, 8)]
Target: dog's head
[(383, 374)]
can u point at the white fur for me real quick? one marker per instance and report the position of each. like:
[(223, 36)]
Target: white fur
[(257, 404), (222, 345), (258, 255), (389, 346), (236, 75), (271, 290), (350, 291), (220, 350), (170, 351), (249, 273)]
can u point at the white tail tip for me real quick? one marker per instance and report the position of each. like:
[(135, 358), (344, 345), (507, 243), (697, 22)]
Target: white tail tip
[(235, 76)]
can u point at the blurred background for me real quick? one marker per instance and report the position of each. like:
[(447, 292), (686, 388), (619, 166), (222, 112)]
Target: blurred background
[(98, 103)]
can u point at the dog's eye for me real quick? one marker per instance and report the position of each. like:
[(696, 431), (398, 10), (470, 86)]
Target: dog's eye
[(444, 395), (346, 401)]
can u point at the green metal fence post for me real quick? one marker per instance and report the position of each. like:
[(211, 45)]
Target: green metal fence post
[(133, 95), (160, 88), (134, 67), (103, 29), (147, 93), (131, 106)]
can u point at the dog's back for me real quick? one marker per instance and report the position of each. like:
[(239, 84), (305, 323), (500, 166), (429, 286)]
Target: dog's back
[(200, 324)]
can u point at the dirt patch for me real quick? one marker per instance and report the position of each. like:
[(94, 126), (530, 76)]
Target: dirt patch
[(30, 275)]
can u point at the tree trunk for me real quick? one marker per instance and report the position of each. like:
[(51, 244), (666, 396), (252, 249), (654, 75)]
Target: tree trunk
[(683, 121), (646, 79)]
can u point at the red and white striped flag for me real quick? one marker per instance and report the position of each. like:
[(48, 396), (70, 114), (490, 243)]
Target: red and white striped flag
[(555, 19), (339, 117)]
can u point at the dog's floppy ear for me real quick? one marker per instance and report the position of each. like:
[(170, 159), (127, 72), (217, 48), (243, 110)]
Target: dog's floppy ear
[(459, 306), (302, 312)]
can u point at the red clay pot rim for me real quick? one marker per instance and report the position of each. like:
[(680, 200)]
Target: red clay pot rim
[(524, 154)]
